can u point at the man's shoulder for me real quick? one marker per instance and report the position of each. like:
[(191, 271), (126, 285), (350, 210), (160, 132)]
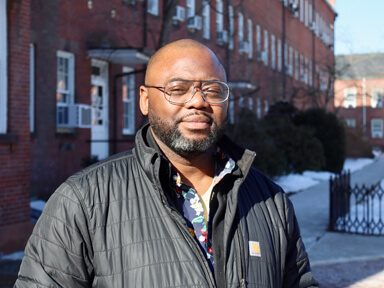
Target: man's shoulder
[(107, 169)]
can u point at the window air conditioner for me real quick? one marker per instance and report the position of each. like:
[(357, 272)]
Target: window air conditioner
[(222, 36), (194, 22), (179, 14), (243, 48), (80, 115)]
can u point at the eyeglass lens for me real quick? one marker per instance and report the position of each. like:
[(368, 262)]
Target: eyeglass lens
[(181, 91)]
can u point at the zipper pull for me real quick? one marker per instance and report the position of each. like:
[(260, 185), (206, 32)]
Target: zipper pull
[(243, 283)]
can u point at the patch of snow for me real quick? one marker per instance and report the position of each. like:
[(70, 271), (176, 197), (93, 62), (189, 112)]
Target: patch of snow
[(295, 182), (356, 164), (298, 182)]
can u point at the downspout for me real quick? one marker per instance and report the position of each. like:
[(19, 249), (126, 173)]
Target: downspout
[(283, 51)]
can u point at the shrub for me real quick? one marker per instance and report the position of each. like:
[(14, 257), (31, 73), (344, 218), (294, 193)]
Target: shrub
[(330, 131)]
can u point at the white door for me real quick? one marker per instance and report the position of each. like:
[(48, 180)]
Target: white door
[(99, 100)]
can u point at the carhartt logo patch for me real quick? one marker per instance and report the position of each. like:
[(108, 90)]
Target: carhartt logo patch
[(254, 248)]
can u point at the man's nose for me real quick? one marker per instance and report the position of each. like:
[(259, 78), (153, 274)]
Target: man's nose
[(197, 100)]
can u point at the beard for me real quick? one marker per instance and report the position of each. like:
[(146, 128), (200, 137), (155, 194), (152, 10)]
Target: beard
[(170, 135)]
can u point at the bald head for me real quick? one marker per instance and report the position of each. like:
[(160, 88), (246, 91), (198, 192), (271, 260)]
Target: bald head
[(171, 49)]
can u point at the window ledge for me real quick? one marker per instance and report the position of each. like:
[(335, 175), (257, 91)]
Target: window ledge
[(9, 138)]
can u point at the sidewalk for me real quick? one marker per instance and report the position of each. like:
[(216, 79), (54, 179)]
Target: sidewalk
[(340, 259)]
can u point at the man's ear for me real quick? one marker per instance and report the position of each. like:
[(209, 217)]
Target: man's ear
[(144, 100)]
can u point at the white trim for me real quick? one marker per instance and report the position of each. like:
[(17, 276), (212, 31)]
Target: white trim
[(3, 67), (207, 20), (130, 100), (153, 7), (32, 87)]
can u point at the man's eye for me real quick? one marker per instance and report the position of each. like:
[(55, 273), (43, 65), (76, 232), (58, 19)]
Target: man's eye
[(177, 90)]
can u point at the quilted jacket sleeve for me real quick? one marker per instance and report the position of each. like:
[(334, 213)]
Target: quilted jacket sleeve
[(59, 253), (297, 270)]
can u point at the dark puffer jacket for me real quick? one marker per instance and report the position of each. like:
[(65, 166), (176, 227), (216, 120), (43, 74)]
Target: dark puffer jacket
[(112, 225)]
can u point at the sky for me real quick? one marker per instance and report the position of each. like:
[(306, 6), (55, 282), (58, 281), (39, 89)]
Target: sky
[(359, 26)]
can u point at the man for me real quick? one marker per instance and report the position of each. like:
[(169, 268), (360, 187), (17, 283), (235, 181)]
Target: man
[(184, 208)]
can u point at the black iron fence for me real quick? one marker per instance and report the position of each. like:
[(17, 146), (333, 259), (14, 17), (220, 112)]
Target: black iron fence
[(358, 209)]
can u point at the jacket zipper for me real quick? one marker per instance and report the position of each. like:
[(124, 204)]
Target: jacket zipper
[(194, 246), (240, 258)]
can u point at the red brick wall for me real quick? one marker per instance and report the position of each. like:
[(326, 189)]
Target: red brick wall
[(71, 26), (357, 113), (15, 157)]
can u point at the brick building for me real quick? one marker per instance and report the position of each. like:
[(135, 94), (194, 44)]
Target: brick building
[(14, 124), (359, 92), (93, 54)]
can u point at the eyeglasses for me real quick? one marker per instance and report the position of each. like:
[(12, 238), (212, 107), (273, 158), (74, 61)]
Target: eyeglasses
[(182, 91)]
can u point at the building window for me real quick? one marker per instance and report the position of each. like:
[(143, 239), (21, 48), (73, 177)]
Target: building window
[(351, 122), (64, 87), (231, 109), (302, 73), (301, 10), (377, 128), (250, 39), (231, 27), (128, 94), (240, 32), (207, 20), (219, 15), (266, 47), (349, 98), (266, 107), (258, 42), (191, 10), (296, 65), (153, 7), (279, 56), (258, 111), (377, 98), (273, 52), (285, 56), (306, 14), (250, 103), (32, 88), (290, 61), (3, 67)]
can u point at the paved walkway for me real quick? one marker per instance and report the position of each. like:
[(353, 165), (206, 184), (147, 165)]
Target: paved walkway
[(340, 259)]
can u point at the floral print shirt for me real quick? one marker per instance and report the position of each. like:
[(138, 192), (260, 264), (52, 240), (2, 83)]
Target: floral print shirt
[(193, 208)]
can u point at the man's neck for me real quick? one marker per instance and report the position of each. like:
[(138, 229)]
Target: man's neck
[(197, 171)]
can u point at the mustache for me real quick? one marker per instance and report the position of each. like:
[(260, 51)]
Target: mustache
[(194, 114)]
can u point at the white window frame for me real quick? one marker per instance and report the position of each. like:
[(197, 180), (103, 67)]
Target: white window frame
[(258, 39), (250, 103), (153, 7), (32, 87), (70, 91), (231, 44), (377, 128), (266, 47), (306, 14), (279, 55), (219, 16), (250, 38), (240, 28), (301, 11), (273, 52), (207, 20), (349, 103), (129, 86), (296, 72), (3, 67), (290, 61), (258, 109), (377, 96), (231, 111), (191, 8), (266, 107)]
